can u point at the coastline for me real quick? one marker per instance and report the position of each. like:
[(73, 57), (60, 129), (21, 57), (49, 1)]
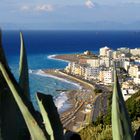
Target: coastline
[(55, 73), (75, 117), (48, 73), (77, 114), (56, 57), (62, 101), (64, 57)]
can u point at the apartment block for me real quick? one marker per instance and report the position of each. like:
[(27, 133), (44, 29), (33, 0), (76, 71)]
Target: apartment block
[(104, 50), (106, 76), (92, 73), (135, 51), (95, 62)]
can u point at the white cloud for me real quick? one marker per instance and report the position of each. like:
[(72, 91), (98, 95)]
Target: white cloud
[(89, 4), (45, 8), (25, 8)]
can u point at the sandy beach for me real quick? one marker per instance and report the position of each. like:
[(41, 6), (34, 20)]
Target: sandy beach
[(80, 113), (75, 118)]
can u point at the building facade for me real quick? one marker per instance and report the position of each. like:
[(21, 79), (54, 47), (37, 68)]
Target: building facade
[(106, 76), (135, 51), (95, 62), (104, 50)]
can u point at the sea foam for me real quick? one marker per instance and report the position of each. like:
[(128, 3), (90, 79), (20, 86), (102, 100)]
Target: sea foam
[(42, 73), (61, 101)]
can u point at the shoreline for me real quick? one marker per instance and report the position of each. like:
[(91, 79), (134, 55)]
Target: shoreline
[(48, 74), (64, 57), (63, 100), (55, 73), (75, 116), (78, 114), (56, 57)]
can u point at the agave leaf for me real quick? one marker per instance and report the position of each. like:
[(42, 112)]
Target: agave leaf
[(2, 55), (34, 129), (23, 69), (45, 117), (8, 107), (52, 114), (121, 125), (0, 133)]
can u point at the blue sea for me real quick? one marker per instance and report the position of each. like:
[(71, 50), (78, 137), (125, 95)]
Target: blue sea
[(41, 44)]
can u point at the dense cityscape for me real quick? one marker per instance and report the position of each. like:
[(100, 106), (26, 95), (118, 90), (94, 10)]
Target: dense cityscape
[(99, 68)]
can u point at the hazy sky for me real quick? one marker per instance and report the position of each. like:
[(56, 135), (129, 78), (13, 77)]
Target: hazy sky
[(70, 14)]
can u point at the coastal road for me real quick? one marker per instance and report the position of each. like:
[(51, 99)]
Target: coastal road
[(73, 120), (96, 108), (104, 103), (100, 105)]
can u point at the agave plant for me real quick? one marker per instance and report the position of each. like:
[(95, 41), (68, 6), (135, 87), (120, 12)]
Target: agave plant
[(23, 69), (16, 95), (10, 115), (121, 125)]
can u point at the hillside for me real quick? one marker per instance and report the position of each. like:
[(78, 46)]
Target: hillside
[(101, 129)]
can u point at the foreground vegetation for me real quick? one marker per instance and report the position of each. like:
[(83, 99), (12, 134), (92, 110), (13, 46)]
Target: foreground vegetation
[(18, 118), (101, 129), (133, 107), (102, 132)]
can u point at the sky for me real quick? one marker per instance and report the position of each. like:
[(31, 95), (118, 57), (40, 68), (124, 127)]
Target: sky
[(70, 14)]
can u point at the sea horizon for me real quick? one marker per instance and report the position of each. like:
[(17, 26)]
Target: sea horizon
[(67, 41), (41, 45)]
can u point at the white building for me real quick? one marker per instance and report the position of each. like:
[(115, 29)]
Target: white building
[(116, 54), (106, 76), (72, 68), (126, 65), (135, 51), (128, 89), (105, 61), (134, 71), (137, 78), (127, 93), (124, 50), (104, 50), (91, 73), (123, 62), (95, 62), (109, 54), (68, 68)]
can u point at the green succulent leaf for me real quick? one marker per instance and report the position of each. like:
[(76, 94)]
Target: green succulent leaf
[(45, 117), (51, 117), (8, 107), (121, 125), (23, 69), (34, 129)]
